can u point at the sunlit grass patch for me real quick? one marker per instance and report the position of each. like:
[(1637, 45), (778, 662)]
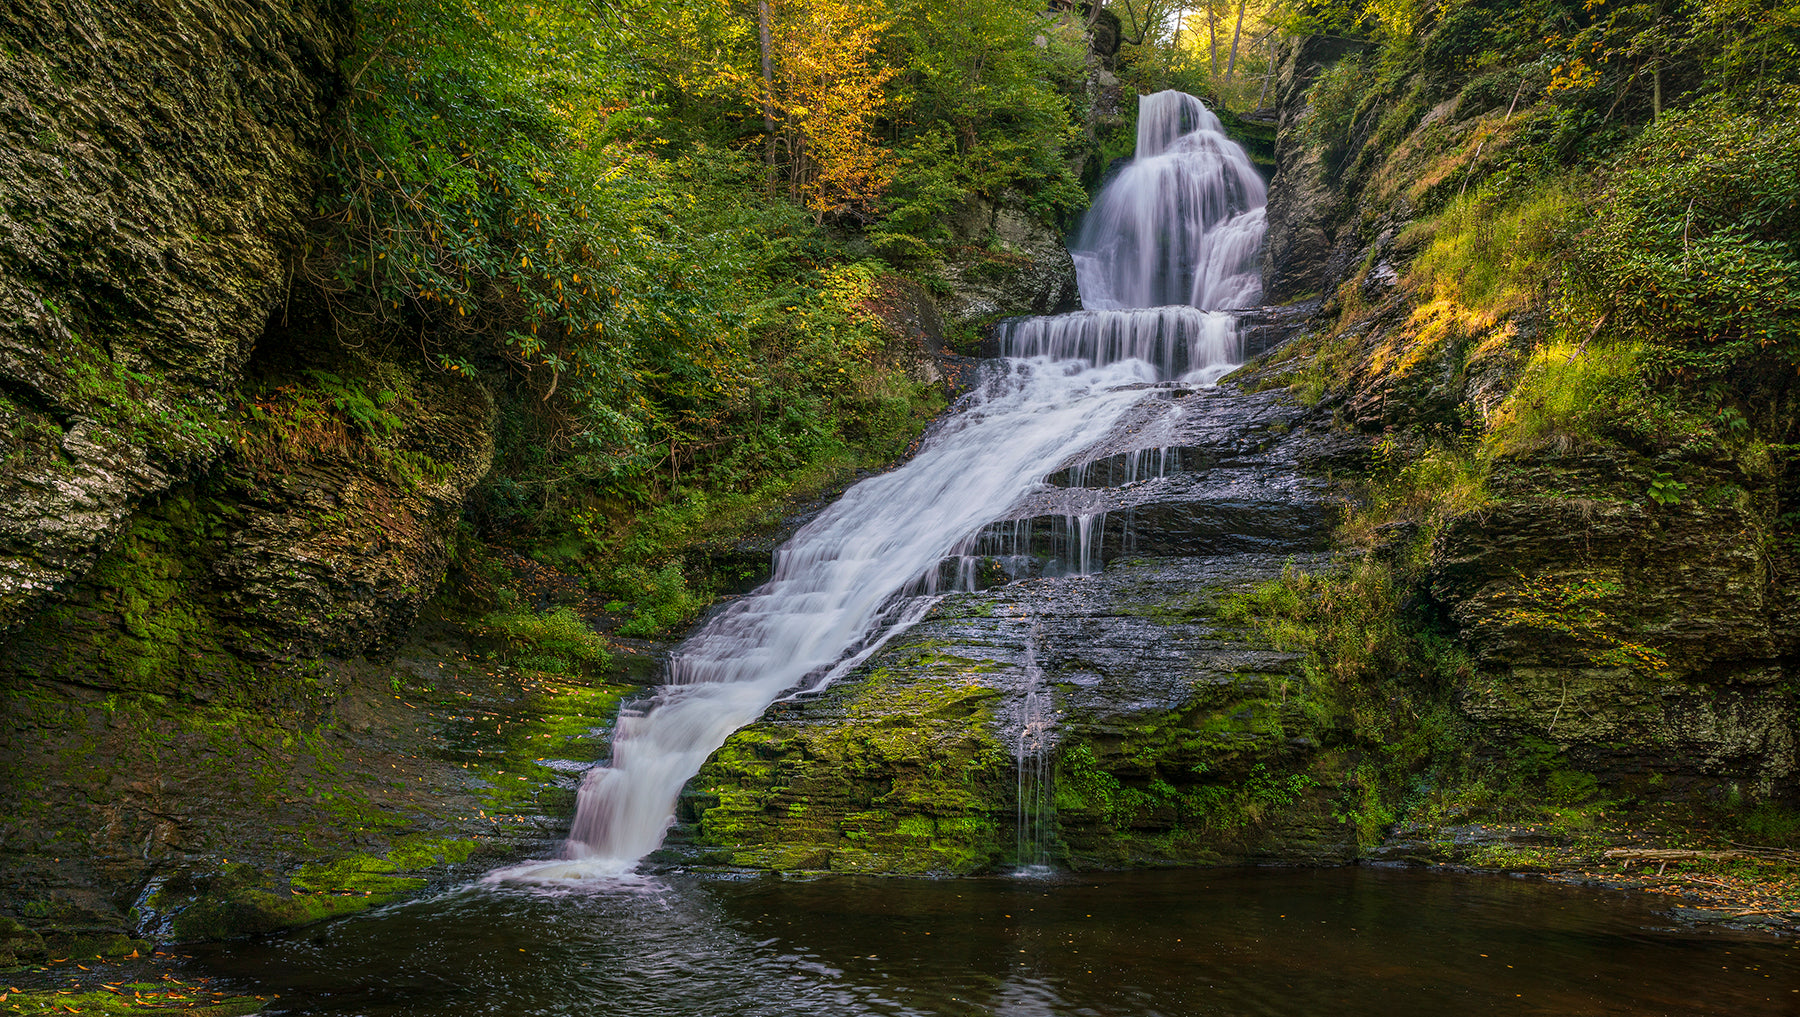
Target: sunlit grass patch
[(1566, 396), (1495, 254), (1426, 485)]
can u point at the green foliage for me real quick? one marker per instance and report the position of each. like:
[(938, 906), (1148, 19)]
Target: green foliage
[(1769, 823), (1666, 490), (1333, 103), (987, 109), (1365, 806), (576, 215), (1566, 398), (1495, 252), (556, 641), (361, 417), (1694, 244), (1575, 610), (661, 601), (1418, 483), (1381, 673), (1538, 772)]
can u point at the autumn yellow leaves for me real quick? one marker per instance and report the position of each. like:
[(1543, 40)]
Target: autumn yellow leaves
[(820, 91)]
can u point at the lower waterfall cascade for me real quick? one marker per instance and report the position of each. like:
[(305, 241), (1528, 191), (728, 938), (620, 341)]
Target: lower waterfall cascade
[(1166, 252)]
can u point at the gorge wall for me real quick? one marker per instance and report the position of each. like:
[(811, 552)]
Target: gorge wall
[(230, 504), (1573, 550), (206, 489)]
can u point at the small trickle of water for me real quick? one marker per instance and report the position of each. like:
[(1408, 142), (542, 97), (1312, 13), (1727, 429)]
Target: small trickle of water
[(1033, 814)]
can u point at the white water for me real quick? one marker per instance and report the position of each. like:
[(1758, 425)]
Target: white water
[(1182, 221), (1181, 224), (1031, 767)]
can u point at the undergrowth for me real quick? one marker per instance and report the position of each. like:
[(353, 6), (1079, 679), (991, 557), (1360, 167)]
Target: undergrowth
[(557, 641)]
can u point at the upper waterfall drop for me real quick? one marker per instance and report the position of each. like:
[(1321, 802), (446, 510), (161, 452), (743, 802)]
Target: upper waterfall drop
[(1181, 223)]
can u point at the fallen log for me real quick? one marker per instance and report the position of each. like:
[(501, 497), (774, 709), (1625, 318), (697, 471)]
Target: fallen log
[(1677, 855)]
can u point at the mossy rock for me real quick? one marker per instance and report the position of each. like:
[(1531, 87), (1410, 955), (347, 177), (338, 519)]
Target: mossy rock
[(18, 944)]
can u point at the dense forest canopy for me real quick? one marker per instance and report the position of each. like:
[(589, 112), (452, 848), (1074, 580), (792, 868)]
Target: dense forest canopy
[(665, 247), (661, 225)]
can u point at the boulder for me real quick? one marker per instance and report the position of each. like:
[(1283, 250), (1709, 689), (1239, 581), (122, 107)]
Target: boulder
[(1006, 262)]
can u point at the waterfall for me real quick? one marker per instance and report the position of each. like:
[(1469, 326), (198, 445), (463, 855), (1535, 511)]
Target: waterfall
[(1179, 226), (843, 582), (1177, 341)]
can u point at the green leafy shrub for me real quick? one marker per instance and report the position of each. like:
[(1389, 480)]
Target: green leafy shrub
[(660, 601), (1334, 102), (1694, 242), (557, 640)]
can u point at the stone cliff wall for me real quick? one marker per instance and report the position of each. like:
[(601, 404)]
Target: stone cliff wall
[(156, 168), (207, 485), (1698, 579)]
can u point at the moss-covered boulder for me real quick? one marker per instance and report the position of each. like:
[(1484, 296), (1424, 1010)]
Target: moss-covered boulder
[(901, 770)]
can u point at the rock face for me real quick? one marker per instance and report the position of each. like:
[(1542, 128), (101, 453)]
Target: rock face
[(157, 163), (1645, 642), (1175, 734), (281, 556), (1007, 263), (203, 496), (1562, 596), (1303, 195)]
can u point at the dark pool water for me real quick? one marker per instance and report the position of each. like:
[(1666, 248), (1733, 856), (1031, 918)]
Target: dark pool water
[(1353, 941)]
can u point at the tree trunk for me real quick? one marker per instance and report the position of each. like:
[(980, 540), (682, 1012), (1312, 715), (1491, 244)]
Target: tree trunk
[(768, 77), (1212, 34), (1243, 5), (1656, 71), (1656, 85), (1269, 74)]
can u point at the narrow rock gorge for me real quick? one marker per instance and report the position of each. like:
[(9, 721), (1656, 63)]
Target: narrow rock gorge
[(389, 438)]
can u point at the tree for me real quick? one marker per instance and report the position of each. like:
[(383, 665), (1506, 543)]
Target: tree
[(1143, 20), (828, 91)]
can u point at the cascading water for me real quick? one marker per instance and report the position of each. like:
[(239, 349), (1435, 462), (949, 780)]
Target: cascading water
[(1181, 223), (1179, 226)]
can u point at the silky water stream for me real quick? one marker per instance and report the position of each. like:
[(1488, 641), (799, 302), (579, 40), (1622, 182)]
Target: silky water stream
[(1167, 251)]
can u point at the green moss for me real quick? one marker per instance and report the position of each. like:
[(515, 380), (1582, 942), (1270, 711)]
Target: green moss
[(134, 998), (142, 409), (1195, 784), (142, 622), (909, 778)]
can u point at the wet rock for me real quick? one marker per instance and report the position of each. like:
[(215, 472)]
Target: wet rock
[(1166, 731), (1007, 262), (333, 550), (1303, 209), (156, 168), (18, 944), (1689, 583)]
